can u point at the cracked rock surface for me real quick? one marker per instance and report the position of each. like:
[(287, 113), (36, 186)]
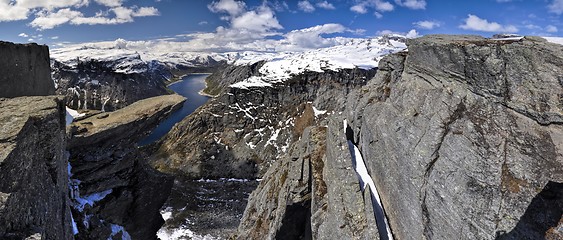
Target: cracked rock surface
[(462, 136), (462, 133)]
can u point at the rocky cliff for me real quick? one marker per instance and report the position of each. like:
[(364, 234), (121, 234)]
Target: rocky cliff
[(109, 84), (461, 135), (241, 132), (25, 70), (33, 167), (115, 191)]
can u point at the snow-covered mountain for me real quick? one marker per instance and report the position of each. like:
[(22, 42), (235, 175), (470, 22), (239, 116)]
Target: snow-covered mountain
[(129, 56), (357, 53), (126, 71)]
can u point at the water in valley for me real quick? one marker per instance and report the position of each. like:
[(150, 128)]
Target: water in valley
[(188, 87), (199, 209)]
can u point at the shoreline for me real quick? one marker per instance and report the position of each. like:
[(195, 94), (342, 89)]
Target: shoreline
[(203, 93)]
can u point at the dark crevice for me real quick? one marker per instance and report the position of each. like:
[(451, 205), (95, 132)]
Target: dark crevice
[(296, 223)]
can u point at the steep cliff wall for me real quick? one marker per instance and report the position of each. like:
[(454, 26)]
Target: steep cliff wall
[(468, 135), (462, 137), (109, 84), (114, 188), (33, 169), (25, 70)]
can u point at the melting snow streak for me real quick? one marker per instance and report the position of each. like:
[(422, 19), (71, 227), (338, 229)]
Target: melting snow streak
[(366, 180)]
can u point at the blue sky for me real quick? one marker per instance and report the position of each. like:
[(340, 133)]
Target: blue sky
[(55, 22)]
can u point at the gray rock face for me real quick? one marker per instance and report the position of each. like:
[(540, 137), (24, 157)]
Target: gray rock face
[(104, 156), (24, 70), (225, 76), (460, 135), (242, 131), (92, 84), (311, 193), (34, 201)]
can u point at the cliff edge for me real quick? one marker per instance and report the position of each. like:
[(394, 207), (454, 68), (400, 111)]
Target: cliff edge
[(33, 168), (461, 136)]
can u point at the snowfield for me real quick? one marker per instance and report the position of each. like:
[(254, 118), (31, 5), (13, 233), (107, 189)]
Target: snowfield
[(138, 56), (356, 53)]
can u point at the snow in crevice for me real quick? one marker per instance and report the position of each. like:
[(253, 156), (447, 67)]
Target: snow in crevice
[(181, 232), (115, 229), (366, 181), (318, 112)]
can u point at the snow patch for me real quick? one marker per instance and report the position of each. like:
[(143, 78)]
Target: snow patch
[(90, 199), (181, 233), (72, 114), (74, 226), (557, 40), (318, 112), (115, 229)]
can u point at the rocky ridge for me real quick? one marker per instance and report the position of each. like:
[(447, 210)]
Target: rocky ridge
[(461, 135)]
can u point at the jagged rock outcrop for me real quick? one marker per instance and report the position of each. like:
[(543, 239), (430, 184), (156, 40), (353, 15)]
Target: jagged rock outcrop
[(25, 70), (106, 162), (462, 137), (243, 130), (223, 77), (33, 169)]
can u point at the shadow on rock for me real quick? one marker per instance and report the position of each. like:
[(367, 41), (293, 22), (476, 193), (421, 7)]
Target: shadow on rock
[(541, 217)]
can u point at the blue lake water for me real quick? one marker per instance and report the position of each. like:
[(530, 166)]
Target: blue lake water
[(188, 87)]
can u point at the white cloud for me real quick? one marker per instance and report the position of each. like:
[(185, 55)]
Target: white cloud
[(429, 25), (202, 23), (311, 37), (325, 5), (378, 15), (23, 35), (475, 23), (47, 14), (412, 34), (232, 7), (362, 6), (110, 3), (48, 20), (503, 1), (551, 29), (55, 37), (361, 9), (260, 20), (556, 7), (412, 4), (278, 6), (305, 6), (532, 27)]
